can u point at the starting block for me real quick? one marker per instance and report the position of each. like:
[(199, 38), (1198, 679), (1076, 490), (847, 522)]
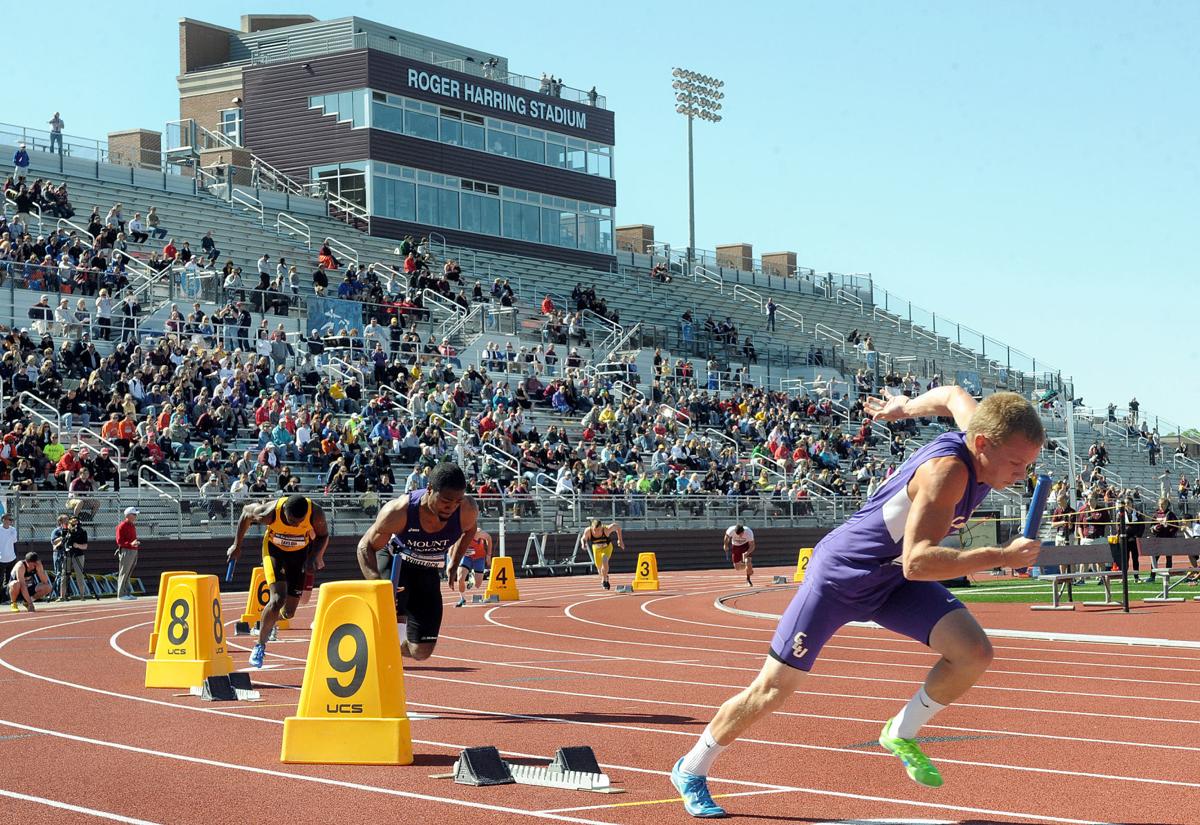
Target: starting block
[(572, 769), (482, 766), (624, 588), (231, 688), (779, 580), (578, 758), (478, 598)]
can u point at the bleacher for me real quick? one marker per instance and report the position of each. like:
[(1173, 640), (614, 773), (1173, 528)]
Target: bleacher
[(818, 313)]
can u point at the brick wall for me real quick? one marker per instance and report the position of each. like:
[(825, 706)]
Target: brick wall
[(204, 108), (637, 238), (136, 147), (737, 256), (201, 44)]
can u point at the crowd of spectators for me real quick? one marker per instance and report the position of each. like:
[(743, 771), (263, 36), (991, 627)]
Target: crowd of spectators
[(231, 409)]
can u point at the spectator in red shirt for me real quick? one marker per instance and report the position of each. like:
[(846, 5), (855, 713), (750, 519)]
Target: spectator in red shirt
[(547, 306), (127, 551), (170, 251), (67, 466)]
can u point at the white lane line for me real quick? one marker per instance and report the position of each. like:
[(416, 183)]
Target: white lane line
[(836, 794), (799, 745), (1001, 633), (569, 611), (921, 650), (79, 809), (214, 711), (795, 714), (619, 643), (711, 666), (822, 748), (599, 657), (842, 696), (319, 780)]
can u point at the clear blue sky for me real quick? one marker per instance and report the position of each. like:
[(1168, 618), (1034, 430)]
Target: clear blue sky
[(1028, 169)]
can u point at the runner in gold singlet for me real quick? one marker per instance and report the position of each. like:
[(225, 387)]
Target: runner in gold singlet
[(597, 539), (295, 531)]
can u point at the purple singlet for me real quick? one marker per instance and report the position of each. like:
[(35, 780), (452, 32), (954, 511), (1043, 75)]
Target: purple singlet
[(856, 575)]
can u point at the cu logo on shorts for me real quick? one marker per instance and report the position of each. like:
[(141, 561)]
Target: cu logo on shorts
[(798, 648)]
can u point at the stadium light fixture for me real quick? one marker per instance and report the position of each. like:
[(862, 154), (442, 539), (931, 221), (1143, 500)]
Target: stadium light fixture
[(696, 96)]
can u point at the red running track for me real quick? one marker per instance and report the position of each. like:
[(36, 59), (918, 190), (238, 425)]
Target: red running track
[(1064, 732)]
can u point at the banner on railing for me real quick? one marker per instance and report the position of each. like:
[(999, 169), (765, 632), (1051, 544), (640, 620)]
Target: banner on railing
[(327, 316), (969, 380)]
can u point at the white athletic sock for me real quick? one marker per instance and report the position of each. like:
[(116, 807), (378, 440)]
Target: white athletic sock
[(919, 710), (700, 758)]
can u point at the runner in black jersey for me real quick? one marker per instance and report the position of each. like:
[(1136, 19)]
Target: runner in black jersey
[(417, 531)]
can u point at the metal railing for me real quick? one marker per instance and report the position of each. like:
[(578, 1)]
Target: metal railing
[(878, 314), (345, 250), (34, 210), (790, 315), (249, 203), (350, 211), (823, 331), (70, 226), (844, 297), (711, 278), (152, 479), (37, 406), (93, 440), (287, 224)]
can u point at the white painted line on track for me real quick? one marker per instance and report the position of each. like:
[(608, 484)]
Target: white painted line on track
[(799, 745), (794, 714), (922, 650), (736, 687), (320, 780), (79, 809), (760, 655), (14, 668), (303, 777), (999, 633), (823, 748)]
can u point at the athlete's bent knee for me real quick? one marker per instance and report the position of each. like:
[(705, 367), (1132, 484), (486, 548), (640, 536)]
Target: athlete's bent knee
[(975, 652)]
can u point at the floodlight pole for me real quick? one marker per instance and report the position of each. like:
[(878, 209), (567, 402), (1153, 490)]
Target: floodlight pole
[(691, 197)]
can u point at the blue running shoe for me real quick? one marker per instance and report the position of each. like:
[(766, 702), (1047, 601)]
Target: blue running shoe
[(694, 789), (257, 655)]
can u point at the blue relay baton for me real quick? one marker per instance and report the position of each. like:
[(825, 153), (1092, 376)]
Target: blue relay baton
[(229, 570), (1033, 518)]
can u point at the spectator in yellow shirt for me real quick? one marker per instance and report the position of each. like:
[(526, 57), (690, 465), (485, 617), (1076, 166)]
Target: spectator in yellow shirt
[(54, 449)]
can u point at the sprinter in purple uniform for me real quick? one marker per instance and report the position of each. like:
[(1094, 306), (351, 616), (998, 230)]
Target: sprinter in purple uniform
[(417, 532), (884, 565)]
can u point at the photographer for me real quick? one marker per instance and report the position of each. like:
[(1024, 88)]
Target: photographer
[(1131, 527), (75, 545)]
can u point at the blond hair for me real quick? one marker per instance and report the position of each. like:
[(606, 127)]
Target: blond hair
[(1003, 415)]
